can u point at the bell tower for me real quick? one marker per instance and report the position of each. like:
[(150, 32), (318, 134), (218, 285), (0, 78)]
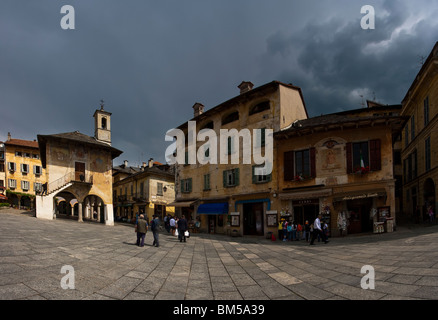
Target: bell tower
[(102, 125)]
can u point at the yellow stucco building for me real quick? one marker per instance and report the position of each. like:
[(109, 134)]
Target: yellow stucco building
[(24, 174), (149, 189), (420, 142), (79, 173), (228, 198)]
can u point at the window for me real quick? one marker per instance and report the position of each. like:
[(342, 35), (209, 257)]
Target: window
[(427, 153), (141, 190), (426, 111), (206, 182), (38, 187), (397, 157), (260, 178), (208, 125), (103, 123), (27, 155), (24, 168), (18, 154), (230, 145), (406, 136), (12, 183), (2, 155), (2, 167), (410, 166), (37, 170), (263, 106), (159, 188), (412, 128), (186, 185), (230, 118), (365, 155), (12, 166), (302, 163), (35, 156), (299, 165), (25, 185), (231, 178)]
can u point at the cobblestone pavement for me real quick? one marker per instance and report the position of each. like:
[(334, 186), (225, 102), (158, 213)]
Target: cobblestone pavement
[(107, 264)]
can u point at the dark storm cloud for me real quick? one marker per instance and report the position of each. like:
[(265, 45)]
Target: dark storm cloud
[(152, 60), (335, 63)]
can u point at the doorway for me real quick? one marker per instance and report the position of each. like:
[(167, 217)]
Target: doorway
[(253, 219), (79, 171)]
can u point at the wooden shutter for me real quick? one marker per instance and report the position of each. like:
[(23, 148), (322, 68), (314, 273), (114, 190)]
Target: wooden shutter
[(349, 151), (312, 162), (182, 185), (288, 165), (225, 178), (190, 184), (236, 177), (375, 156)]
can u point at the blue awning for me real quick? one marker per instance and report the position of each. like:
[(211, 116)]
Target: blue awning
[(213, 208)]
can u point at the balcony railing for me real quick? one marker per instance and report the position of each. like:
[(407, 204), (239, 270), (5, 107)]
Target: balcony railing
[(69, 177)]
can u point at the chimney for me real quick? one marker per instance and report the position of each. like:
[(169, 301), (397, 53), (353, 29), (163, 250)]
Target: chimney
[(144, 165), (151, 162), (9, 136), (198, 109), (245, 86), (125, 163)]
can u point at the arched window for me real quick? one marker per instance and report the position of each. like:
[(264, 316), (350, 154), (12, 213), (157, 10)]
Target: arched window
[(262, 106), (208, 125), (230, 118), (103, 123)]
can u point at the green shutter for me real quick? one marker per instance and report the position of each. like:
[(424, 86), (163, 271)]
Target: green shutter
[(236, 176), (225, 178)]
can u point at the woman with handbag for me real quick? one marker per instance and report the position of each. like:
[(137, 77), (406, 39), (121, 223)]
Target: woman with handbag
[(182, 228)]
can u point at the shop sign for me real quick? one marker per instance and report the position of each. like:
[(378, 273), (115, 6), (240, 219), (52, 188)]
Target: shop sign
[(363, 196)]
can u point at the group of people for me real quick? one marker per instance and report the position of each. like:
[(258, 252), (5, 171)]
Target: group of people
[(291, 231), (173, 224)]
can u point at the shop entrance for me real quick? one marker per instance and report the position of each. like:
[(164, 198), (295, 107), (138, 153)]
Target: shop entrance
[(360, 220), (253, 219), (305, 210)]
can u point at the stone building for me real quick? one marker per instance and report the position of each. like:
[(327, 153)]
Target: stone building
[(229, 198), (420, 142), (340, 164), (79, 173), (149, 189), (24, 174)]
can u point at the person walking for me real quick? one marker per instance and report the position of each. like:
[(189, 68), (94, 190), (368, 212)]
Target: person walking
[(155, 223), (182, 228), (294, 231), (307, 231), (142, 227), (317, 230), (172, 225)]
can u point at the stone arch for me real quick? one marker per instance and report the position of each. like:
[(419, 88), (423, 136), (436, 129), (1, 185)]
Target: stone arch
[(95, 208)]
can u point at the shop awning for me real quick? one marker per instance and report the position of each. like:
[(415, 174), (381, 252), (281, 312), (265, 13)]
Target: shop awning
[(213, 208), (181, 204)]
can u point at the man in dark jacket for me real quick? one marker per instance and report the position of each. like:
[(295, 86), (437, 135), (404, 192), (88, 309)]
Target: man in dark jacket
[(142, 228), (182, 228), (155, 224)]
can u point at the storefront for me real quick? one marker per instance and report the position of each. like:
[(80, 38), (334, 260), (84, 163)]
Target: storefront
[(213, 216)]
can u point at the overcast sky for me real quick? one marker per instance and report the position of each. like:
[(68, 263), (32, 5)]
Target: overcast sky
[(152, 60)]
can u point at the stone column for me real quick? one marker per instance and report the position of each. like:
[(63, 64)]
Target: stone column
[(72, 210), (80, 212)]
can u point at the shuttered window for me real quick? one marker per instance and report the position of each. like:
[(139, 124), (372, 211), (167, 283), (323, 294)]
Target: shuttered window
[(300, 164), (288, 166), (231, 178)]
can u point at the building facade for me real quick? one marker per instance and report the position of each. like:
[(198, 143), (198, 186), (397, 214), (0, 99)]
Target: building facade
[(228, 197), (149, 190), (24, 175), (341, 166), (79, 173), (420, 142), (2, 165)]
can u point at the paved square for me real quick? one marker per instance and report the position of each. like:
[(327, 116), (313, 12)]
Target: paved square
[(107, 264)]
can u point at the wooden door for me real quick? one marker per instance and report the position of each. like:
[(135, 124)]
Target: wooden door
[(79, 171)]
